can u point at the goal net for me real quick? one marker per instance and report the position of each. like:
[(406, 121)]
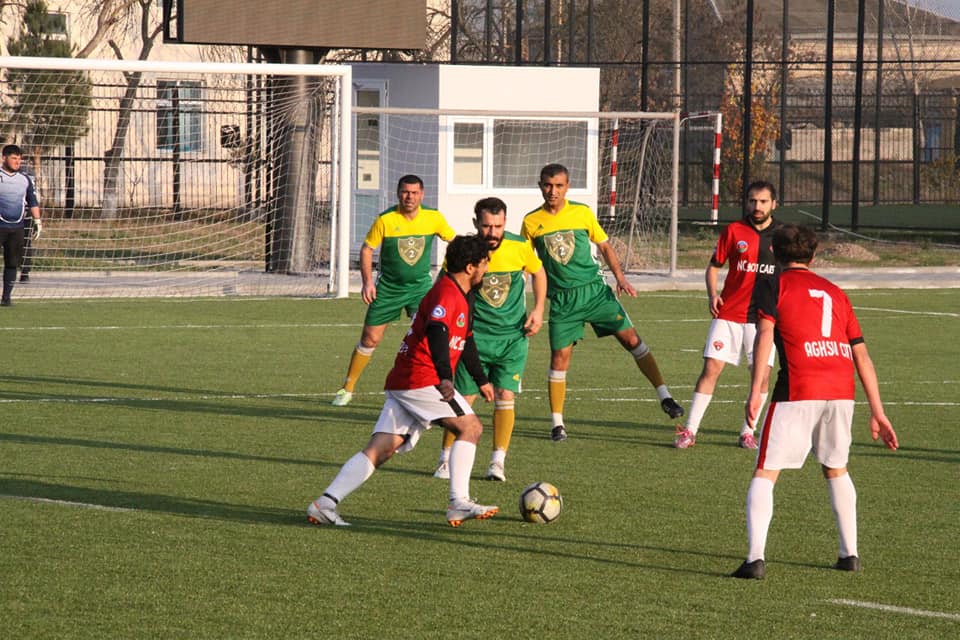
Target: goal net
[(624, 165), (186, 179)]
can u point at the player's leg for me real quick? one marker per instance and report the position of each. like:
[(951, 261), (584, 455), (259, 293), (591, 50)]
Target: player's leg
[(467, 429), (557, 389), (647, 364), (504, 418), (12, 240), (832, 440), (747, 439), (467, 386), (370, 338), (507, 359), (351, 477), (702, 395), (759, 515)]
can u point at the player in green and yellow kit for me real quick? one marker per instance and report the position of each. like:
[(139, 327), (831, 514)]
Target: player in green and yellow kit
[(501, 327), (562, 232), (404, 233)]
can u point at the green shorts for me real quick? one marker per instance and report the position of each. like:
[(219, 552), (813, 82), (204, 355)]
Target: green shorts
[(391, 300), (503, 360), (595, 303)]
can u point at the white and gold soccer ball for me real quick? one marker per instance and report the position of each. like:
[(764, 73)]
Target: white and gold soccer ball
[(540, 503)]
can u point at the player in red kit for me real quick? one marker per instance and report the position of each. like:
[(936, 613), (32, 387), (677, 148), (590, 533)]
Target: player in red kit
[(819, 342), (745, 245), (419, 390)]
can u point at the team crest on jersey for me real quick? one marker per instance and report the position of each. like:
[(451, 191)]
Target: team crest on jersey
[(438, 312), (461, 320), (742, 246), (718, 345), (495, 289), (411, 249), (560, 245)]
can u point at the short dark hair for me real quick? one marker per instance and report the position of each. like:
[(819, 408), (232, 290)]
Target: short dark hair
[(409, 179), (552, 170), (466, 250), (758, 185), (794, 243), (12, 150), (493, 205)]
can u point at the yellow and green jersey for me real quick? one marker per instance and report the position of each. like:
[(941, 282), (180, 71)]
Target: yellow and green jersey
[(500, 307), (406, 244), (563, 242)]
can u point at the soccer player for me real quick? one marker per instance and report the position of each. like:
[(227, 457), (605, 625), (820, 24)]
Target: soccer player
[(420, 392), (745, 245), (816, 333), (405, 234), (562, 232), (17, 195), (501, 328)]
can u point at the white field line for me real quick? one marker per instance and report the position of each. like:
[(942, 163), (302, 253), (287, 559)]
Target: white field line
[(893, 609), (912, 313), (67, 503)]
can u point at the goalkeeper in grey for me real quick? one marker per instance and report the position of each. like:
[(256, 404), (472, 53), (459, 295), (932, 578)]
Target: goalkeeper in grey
[(17, 197)]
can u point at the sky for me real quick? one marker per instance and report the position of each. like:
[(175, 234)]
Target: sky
[(946, 8)]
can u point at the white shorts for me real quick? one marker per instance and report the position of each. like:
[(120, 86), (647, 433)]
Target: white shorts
[(792, 429), (727, 341), (410, 412)]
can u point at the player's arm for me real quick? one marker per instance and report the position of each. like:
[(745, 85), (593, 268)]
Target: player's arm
[(535, 319), (438, 337), (761, 353), (712, 278), (880, 426), (613, 263), (368, 288)]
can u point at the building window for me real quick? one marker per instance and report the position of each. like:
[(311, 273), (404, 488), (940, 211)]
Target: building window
[(179, 118), (508, 153), (368, 140), (56, 25)]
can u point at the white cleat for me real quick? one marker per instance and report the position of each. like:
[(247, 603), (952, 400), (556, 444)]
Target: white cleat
[(495, 472), (459, 512), (323, 516), (442, 472), (342, 398)]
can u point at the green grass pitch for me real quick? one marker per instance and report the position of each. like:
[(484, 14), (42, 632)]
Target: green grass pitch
[(156, 459)]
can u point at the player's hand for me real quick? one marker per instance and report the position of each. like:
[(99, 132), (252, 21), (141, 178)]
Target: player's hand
[(881, 428), (368, 292), (37, 228), (752, 408), (446, 390), (533, 323), (487, 392), (625, 287), (715, 303)]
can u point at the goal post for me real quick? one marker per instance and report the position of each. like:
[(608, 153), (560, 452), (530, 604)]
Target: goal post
[(184, 178)]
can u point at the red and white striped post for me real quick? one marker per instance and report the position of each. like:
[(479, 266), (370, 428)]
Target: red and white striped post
[(614, 143), (717, 143)]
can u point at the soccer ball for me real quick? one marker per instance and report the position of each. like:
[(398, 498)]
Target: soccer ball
[(540, 503)]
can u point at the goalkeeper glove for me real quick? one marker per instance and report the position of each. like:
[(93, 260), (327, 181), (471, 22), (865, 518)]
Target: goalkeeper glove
[(37, 228)]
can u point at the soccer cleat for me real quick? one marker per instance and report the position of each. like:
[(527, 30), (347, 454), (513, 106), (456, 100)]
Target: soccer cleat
[(24, 277), (320, 516), (685, 438), (6, 302), (342, 398), (558, 433), (850, 563), (463, 510), (747, 441), (671, 408), (755, 570), (442, 472), (495, 472)]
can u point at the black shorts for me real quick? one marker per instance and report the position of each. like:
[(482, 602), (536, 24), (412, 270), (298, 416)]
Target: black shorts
[(12, 241)]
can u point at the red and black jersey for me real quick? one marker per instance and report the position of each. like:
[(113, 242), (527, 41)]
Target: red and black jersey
[(815, 329), (446, 303), (750, 254)]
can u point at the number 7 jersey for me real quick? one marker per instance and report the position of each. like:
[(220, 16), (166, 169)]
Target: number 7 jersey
[(815, 329)]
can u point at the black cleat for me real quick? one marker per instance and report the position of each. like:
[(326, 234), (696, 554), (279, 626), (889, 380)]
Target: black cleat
[(850, 563), (6, 302), (755, 570), (558, 433), (24, 277), (671, 408)]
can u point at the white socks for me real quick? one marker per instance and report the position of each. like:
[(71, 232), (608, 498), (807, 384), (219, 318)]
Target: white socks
[(698, 407), (759, 515), (462, 454), (843, 499), (351, 477)]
